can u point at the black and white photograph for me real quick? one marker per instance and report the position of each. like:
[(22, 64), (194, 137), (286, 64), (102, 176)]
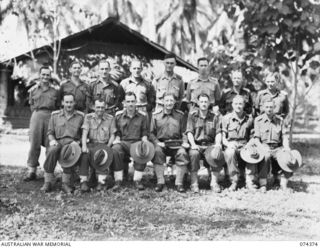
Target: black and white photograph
[(159, 120)]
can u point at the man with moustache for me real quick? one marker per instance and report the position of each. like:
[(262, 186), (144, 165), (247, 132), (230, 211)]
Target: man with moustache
[(43, 99)]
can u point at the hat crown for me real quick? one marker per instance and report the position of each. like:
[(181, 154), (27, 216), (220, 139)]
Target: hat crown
[(99, 156), (253, 152), (67, 152), (142, 149)]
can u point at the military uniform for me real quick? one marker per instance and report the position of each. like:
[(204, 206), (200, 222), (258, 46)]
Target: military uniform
[(65, 130), (204, 131), (225, 105), (164, 83), (280, 99), (81, 93), (144, 92), (99, 132), (42, 103), (110, 92), (197, 86), (237, 131), (130, 130), (165, 127), (270, 133)]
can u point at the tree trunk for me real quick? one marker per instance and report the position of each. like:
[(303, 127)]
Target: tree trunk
[(294, 105)]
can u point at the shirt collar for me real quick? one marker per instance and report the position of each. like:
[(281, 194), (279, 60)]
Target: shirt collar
[(235, 116), (165, 76), (164, 113), (132, 80), (125, 112)]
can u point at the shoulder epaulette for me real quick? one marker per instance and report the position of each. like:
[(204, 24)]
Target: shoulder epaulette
[(64, 81), (246, 89), (90, 115), (284, 92), (225, 90), (178, 76), (157, 111), (179, 111), (79, 112), (142, 113), (119, 112), (108, 115), (33, 87), (213, 79), (279, 117), (258, 118), (193, 112), (55, 112)]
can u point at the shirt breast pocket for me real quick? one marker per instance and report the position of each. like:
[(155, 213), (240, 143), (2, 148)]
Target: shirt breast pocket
[(276, 134), (104, 133), (60, 128), (211, 129), (265, 133), (109, 96)]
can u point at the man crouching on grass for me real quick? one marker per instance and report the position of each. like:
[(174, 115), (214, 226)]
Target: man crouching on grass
[(99, 128), (64, 133)]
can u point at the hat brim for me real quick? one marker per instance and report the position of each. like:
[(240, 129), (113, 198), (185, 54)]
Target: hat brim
[(105, 165), (298, 157), (282, 163), (74, 160), (216, 163), (173, 144), (247, 158), (138, 159)]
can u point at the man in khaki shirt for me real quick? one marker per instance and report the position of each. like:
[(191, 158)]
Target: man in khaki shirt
[(168, 82), (106, 89), (203, 83), (269, 129), (99, 128), (77, 87), (43, 100), (64, 128)]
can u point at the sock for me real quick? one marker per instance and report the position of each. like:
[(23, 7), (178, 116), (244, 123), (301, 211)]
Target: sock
[(263, 182), (66, 178), (159, 170), (32, 169), (180, 171), (83, 179), (194, 178), (102, 179), (48, 177), (118, 175), (214, 178), (137, 175)]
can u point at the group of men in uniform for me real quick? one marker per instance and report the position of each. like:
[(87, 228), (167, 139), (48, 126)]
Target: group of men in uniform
[(109, 120)]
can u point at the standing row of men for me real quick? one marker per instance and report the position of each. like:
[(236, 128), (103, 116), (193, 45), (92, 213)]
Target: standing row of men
[(165, 95)]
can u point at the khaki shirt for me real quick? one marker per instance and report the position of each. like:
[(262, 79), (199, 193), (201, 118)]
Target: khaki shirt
[(225, 105), (165, 84), (143, 90), (43, 99), (269, 131), (131, 129), (110, 92), (62, 127), (209, 86), (203, 129), (81, 93), (280, 99), (237, 129), (99, 129), (167, 126)]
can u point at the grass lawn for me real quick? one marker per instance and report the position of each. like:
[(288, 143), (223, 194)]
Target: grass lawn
[(27, 214)]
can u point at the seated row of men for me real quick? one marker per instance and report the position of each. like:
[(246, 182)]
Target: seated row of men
[(216, 140)]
